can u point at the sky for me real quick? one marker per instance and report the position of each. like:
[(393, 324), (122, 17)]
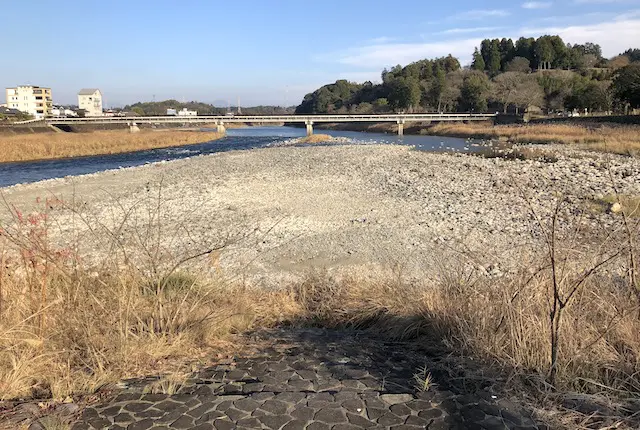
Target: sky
[(269, 51)]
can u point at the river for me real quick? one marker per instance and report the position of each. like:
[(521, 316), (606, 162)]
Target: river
[(239, 138)]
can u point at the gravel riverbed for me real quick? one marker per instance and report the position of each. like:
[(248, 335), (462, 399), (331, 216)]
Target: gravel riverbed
[(288, 209)]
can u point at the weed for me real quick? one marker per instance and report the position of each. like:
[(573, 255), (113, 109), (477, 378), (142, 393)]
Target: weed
[(423, 380)]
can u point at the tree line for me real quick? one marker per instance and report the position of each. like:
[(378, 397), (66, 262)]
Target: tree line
[(160, 108), (505, 76)]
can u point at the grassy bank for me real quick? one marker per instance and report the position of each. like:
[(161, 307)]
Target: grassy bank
[(619, 140), (27, 147), (568, 320), (624, 140)]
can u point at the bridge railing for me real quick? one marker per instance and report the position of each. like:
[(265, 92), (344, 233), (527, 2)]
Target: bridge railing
[(277, 118)]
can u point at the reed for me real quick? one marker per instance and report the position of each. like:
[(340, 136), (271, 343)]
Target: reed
[(40, 146), (619, 140)]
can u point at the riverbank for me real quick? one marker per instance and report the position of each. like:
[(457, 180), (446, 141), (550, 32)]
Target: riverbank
[(616, 139), (43, 146), (153, 270)]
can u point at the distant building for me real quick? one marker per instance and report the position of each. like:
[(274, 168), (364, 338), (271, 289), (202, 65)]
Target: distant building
[(187, 112), (61, 111), (8, 112), (172, 112), (90, 100), (30, 99)]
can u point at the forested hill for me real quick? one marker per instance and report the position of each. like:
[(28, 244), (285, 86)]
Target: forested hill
[(160, 108), (544, 72)]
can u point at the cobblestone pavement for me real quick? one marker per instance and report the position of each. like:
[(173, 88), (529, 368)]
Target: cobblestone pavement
[(310, 379)]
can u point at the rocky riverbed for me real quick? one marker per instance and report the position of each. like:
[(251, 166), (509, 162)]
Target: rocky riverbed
[(282, 211)]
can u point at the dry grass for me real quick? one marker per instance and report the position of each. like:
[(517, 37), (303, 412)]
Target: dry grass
[(316, 138), (27, 147), (66, 327), (619, 140), (69, 326)]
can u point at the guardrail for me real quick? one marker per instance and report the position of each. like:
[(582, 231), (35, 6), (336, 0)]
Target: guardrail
[(29, 121)]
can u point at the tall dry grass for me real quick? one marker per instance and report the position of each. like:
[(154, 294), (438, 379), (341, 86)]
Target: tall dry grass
[(316, 138), (67, 326), (619, 140), (38, 146)]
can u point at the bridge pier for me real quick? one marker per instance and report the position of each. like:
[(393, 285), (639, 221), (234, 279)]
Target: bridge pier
[(220, 127), (400, 127), (309, 125)]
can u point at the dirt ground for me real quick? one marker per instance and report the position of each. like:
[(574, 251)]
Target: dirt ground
[(281, 211)]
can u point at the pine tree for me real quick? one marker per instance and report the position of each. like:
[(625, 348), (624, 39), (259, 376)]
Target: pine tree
[(478, 61)]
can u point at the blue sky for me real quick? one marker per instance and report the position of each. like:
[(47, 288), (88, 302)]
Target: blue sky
[(269, 51)]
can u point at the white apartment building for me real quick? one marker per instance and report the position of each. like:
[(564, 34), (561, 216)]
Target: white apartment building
[(30, 99), (90, 99)]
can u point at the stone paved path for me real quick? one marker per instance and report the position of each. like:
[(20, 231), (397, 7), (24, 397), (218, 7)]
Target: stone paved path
[(309, 379)]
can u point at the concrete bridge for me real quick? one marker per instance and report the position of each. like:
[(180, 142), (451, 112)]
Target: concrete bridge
[(308, 120)]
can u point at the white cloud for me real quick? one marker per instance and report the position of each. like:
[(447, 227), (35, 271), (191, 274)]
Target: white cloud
[(384, 55), (480, 14), (536, 4), (613, 36), (468, 30)]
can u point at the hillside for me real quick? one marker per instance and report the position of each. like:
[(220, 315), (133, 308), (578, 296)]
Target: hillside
[(511, 77)]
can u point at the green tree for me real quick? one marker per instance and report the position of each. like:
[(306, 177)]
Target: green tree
[(632, 54), (138, 111), (543, 52), (524, 49), (438, 86), (556, 86), (404, 93), (474, 91), (490, 51), (588, 95), (449, 63), (478, 61), (626, 85), (507, 52)]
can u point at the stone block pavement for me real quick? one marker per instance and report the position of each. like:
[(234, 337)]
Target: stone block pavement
[(309, 379)]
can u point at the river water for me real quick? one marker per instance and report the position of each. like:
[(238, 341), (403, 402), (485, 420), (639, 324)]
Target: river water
[(239, 138)]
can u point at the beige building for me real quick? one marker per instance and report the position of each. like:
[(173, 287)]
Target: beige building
[(29, 99), (90, 99)]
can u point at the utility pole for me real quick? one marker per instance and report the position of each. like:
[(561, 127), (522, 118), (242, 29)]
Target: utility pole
[(239, 109)]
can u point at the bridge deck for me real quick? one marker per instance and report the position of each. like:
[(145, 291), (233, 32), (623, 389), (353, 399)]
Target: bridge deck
[(398, 118)]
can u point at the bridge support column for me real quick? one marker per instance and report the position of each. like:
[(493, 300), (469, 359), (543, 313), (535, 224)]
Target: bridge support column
[(309, 125), (133, 127), (220, 127), (400, 127)]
